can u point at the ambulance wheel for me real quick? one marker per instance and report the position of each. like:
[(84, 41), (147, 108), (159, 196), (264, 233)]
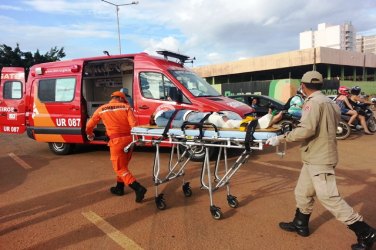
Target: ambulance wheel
[(199, 153), (216, 212), (232, 201), (187, 190), (61, 148)]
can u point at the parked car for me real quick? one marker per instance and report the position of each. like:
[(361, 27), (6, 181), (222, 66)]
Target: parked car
[(264, 102)]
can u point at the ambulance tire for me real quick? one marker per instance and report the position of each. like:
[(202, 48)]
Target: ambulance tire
[(61, 148), (199, 155)]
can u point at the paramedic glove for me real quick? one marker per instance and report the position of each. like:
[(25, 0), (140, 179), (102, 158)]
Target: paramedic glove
[(275, 140), (90, 137)]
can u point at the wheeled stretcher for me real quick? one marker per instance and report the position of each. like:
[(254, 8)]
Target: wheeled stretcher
[(185, 142)]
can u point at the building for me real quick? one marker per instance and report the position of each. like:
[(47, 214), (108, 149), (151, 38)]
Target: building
[(330, 36), (347, 67), (366, 44), (332, 63)]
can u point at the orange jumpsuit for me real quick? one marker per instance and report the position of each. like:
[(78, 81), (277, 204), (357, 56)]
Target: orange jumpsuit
[(118, 119)]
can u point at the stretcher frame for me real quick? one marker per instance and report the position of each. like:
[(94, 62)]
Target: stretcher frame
[(183, 143)]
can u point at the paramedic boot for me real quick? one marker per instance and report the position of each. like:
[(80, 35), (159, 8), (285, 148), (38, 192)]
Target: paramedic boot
[(299, 224), (118, 189), (139, 190), (366, 235)]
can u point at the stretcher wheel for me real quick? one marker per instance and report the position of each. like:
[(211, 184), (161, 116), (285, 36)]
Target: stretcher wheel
[(187, 190), (232, 201), (159, 201), (216, 212)]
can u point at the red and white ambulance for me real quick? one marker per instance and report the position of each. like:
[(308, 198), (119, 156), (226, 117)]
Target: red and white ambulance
[(55, 102)]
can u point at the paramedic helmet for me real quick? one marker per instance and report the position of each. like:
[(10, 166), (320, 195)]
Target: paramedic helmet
[(355, 90), (118, 94), (343, 90)]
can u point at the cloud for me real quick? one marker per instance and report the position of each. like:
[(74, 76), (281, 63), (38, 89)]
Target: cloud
[(169, 43), (10, 7), (213, 31), (63, 6)]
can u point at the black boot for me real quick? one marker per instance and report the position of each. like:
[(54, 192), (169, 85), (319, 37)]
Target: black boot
[(118, 189), (299, 224), (366, 235), (139, 190)]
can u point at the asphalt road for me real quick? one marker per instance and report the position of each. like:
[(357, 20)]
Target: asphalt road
[(63, 202)]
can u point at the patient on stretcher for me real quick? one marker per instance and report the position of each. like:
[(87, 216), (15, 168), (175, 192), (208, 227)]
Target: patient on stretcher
[(225, 119)]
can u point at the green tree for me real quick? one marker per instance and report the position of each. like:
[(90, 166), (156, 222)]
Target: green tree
[(10, 57)]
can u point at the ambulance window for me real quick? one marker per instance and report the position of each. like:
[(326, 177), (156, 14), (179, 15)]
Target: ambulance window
[(56, 90), (12, 90), (156, 86)]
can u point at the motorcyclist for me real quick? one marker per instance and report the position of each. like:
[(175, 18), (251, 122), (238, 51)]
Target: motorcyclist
[(296, 104), (356, 100), (345, 105)]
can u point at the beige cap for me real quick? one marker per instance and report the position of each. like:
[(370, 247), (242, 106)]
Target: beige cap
[(312, 77)]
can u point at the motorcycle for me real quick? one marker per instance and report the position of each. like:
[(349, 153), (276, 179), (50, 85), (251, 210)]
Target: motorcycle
[(345, 131), (365, 110), (290, 121)]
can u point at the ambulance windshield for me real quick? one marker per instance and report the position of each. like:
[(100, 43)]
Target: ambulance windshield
[(195, 84)]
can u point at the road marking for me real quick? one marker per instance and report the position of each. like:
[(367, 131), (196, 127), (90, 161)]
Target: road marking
[(111, 231), (19, 161), (287, 168)]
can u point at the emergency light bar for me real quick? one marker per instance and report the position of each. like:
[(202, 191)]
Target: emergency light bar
[(166, 53)]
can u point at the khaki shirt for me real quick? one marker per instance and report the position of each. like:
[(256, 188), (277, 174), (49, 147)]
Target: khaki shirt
[(317, 130)]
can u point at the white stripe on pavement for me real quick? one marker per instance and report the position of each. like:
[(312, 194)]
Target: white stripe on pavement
[(111, 231), (19, 161)]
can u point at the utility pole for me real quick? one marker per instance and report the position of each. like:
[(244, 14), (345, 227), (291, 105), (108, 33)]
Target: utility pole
[(117, 17)]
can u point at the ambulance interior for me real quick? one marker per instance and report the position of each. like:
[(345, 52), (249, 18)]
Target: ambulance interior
[(100, 79)]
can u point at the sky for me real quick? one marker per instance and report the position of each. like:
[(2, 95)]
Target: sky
[(212, 31)]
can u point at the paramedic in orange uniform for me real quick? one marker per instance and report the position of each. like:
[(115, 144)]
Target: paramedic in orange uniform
[(118, 119)]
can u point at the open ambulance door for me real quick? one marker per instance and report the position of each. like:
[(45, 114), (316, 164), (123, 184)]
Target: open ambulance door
[(12, 100)]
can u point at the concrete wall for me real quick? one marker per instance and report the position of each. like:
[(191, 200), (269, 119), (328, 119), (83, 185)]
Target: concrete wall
[(290, 59)]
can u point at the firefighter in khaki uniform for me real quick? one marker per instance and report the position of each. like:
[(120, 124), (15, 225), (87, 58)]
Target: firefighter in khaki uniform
[(317, 132), (118, 119)]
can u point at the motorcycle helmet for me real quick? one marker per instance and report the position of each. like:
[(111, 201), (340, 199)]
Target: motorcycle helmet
[(343, 90), (355, 90), (373, 99), (299, 91)]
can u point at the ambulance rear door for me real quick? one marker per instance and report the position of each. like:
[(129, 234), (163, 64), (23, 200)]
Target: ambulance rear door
[(57, 100), (12, 100)]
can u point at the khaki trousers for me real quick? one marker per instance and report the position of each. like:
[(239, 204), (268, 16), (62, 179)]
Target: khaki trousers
[(319, 181)]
